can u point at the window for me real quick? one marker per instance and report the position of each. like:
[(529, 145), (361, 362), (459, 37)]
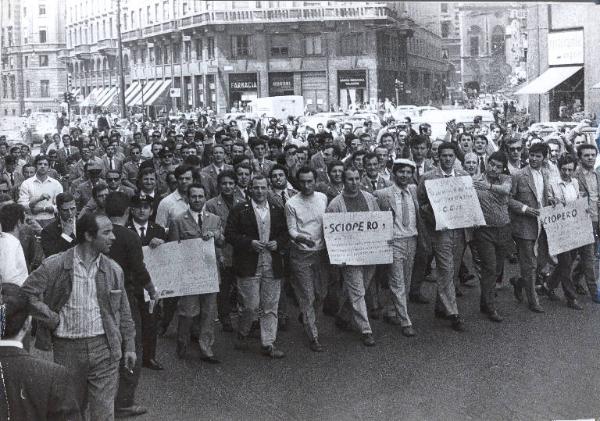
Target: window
[(43, 60), (198, 48), (166, 55), (42, 36), (444, 7), (474, 46), (279, 45), (445, 29), (28, 88), (187, 49), (165, 11), (148, 15), (45, 88), (26, 61), (42, 9), (312, 45), (158, 54), (352, 44), (445, 53), (210, 48), (4, 87), (177, 52), (184, 8), (125, 21), (240, 45), (133, 55), (132, 19)]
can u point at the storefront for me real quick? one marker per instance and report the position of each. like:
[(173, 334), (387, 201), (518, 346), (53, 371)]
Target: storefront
[(314, 91), (352, 88), (563, 81), (281, 84), (243, 88)]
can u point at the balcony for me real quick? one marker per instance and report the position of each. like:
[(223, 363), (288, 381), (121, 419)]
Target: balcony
[(107, 47), (81, 51)]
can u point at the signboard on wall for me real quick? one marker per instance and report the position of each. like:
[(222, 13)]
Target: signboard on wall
[(243, 82), (281, 84), (352, 79), (565, 47)]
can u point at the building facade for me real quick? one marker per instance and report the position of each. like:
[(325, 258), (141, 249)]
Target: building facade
[(183, 55), (563, 66), (33, 78), (493, 49)]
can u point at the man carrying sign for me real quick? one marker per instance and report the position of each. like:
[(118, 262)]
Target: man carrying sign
[(197, 224), (356, 278), (447, 245), (401, 199)]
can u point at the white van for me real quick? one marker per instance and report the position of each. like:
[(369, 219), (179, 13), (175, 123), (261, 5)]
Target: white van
[(439, 118), (279, 107)]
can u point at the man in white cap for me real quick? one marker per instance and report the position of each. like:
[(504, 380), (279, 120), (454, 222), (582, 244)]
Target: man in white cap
[(401, 200)]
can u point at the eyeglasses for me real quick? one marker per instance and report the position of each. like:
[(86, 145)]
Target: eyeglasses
[(515, 149)]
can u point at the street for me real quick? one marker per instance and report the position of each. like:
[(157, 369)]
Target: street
[(530, 367)]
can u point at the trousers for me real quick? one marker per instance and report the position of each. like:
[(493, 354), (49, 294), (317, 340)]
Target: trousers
[(491, 244), (310, 278), (448, 249), (95, 376), (404, 250), (128, 382), (530, 262), (562, 274), (190, 306), (352, 303)]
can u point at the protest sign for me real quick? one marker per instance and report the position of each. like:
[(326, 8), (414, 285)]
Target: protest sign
[(567, 226), (454, 203), (182, 268), (359, 238)]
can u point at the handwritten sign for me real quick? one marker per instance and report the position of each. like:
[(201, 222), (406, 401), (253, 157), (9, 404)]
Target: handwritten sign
[(182, 268), (359, 238), (567, 227), (454, 203)]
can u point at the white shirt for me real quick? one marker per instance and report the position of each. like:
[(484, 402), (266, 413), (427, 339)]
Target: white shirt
[(33, 188), (261, 210), (168, 208), (304, 215), (6, 342), (138, 228), (400, 231), (538, 179), (13, 267)]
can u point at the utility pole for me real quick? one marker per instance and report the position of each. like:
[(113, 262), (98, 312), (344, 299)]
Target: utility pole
[(120, 57)]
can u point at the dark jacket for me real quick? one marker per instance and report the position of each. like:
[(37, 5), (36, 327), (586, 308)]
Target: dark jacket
[(37, 389), (52, 240), (126, 250), (50, 286), (152, 231), (242, 228)]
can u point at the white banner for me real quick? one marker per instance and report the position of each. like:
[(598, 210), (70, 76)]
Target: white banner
[(359, 238), (567, 227), (454, 203), (181, 268)]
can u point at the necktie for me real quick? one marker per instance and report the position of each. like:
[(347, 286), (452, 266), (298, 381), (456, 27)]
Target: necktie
[(200, 221), (481, 165), (143, 234), (112, 164), (405, 216), (374, 184), (418, 172), (283, 196), (12, 179), (68, 151)]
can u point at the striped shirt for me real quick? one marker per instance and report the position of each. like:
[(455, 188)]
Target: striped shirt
[(80, 316)]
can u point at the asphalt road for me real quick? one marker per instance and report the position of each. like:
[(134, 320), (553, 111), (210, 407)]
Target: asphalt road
[(530, 367)]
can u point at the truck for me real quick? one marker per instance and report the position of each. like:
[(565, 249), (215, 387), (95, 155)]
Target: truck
[(280, 107)]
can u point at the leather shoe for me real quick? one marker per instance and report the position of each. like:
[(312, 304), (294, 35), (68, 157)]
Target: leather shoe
[(418, 299), (457, 323), (536, 308), (271, 351), (574, 305), (393, 320), (181, 350), (210, 359), (494, 316), (518, 288), (368, 339), (130, 411), (152, 365), (441, 315), (315, 346), (408, 331)]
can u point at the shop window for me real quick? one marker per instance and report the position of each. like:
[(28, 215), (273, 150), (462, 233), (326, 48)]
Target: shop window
[(352, 44), (279, 45), (312, 45), (240, 46)]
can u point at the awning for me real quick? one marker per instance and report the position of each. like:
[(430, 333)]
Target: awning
[(548, 80), (107, 98), (131, 92), (148, 90), (90, 100), (159, 92), (76, 91)]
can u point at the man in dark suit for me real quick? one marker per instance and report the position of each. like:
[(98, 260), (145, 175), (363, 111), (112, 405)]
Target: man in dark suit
[(126, 250), (258, 232), (111, 161), (152, 235), (34, 389), (59, 235), (372, 180), (196, 223), (529, 193), (67, 150), (260, 164)]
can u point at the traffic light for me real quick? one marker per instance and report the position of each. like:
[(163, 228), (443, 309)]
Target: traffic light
[(69, 81), (66, 96), (71, 97)]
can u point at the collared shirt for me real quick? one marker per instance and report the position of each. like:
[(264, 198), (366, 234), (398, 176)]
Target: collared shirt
[(385, 174), (512, 169), (400, 231), (33, 188), (569, 191), (80, 316), (304, 215), (151, 195), (6, 342), (195, 215), (592, 185), (538, 179), (445, 174), (138, 228), (168, 208), (13, 267), (263, 221)]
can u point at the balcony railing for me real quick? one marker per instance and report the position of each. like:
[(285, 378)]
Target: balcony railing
[(334, 12)]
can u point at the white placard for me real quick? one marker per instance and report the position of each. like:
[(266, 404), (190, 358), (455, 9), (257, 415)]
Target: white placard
[(454, 203), (567, 227)]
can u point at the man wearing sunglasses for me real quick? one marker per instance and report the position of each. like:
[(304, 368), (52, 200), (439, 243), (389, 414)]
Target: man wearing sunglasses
[(514, 149)]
